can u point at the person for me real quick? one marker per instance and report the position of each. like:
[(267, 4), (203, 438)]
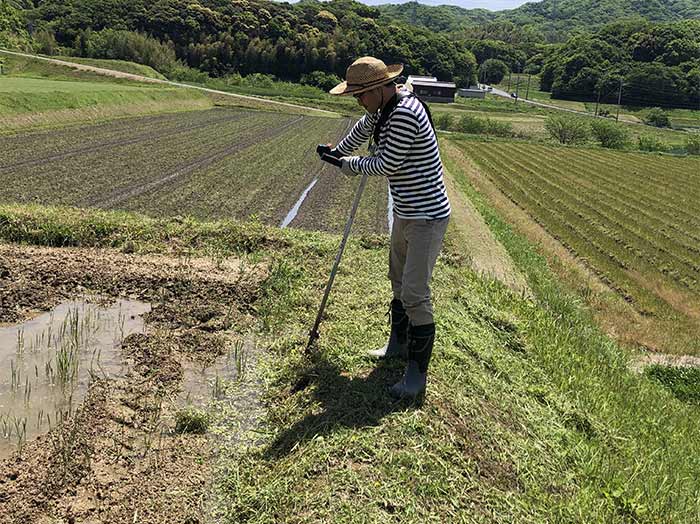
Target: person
[(405, 151)]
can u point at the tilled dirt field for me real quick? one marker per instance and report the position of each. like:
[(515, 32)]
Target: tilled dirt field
[(212, 164), (118, 458)]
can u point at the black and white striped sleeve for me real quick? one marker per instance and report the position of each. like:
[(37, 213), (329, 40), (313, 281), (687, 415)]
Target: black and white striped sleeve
[(358, 135), (402, 128)]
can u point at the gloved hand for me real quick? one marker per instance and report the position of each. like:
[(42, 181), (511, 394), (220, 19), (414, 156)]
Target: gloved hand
[(327, 149), (345, 166)]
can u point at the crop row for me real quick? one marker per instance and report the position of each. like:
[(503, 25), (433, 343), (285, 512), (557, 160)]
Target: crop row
[(628, 239), (134, 136), (667, 194), (209, 164), (617, 221), (86, 178), (45, 144), (266, 181)]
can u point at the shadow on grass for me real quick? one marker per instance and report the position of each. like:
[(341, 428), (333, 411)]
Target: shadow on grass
[(345, 401)]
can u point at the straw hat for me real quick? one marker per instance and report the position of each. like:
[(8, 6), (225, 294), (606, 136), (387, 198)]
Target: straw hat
[(366, 73)]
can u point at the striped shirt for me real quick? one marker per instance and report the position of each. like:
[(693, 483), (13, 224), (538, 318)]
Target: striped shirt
[(408, 156)]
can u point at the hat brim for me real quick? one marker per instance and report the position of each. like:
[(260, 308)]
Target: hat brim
[(344, 88)]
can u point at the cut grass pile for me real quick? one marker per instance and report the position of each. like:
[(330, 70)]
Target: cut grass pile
[(532, 415)]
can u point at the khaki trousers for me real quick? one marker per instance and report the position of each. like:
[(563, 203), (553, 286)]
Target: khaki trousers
[(415, 245)]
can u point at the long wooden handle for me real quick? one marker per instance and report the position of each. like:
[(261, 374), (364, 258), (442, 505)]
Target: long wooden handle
[(313, 335)]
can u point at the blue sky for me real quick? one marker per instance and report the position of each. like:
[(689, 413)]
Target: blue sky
[(493, 5)]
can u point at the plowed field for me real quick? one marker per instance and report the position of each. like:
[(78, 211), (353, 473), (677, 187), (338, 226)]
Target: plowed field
[(631, 218), (209, 164)]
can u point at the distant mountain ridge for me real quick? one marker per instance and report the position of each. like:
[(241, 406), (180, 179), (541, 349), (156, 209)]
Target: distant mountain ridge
[(549, 15)]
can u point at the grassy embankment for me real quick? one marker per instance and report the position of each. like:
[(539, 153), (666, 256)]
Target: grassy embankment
[(532, 414), (117, 65), (36, 94)]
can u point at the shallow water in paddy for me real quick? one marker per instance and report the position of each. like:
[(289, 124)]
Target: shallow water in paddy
[(47, 363)]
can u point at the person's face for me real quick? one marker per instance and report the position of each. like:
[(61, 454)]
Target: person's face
[(370, 100)]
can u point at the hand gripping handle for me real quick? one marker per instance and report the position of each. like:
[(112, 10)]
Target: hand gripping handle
[(328, 155)]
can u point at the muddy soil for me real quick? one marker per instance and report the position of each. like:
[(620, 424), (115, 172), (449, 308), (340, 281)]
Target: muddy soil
[(118, 458)]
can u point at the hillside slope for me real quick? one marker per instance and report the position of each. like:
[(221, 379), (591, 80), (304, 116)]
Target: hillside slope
[(546, 15)]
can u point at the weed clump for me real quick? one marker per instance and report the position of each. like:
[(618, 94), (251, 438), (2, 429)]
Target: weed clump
[(684, 382), (192, 420)]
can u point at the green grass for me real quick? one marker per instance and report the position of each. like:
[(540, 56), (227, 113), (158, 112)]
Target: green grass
[(26, 67), (192, 420), (35, 95), (683, 382), (291, 93), (32, 95), (680, 118), (117, 65), (531, 415)]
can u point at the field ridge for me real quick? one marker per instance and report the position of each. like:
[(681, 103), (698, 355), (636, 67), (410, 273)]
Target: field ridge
[(139, 78)]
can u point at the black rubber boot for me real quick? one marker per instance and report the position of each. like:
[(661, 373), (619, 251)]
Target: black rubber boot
[(420, 349), (398, 340)]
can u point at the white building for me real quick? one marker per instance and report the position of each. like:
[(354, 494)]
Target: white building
[(412, 78)]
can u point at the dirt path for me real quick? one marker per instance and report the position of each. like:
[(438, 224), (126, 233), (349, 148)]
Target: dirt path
[(139, 78), (118, 457), (487, 255)]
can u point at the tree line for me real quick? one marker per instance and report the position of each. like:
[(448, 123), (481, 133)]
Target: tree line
[(639, 62), (222, 37), (644, 63)]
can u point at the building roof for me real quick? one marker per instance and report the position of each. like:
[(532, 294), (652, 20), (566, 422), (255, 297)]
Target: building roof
[(424, 83), (419, 78)]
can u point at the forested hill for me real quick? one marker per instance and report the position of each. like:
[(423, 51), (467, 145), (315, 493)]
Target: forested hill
[(441, 18), (555, 19), (222, 37)]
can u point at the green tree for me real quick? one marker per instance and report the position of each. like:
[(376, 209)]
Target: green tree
[(657, 117), (692, 145), (492, 71), (611, 135), (13, 35), (567, 129), (320, 79)]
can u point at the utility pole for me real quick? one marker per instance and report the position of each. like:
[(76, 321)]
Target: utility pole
[(527, 91), (619, 99), (597, 103), (510, 74), (517, 89)]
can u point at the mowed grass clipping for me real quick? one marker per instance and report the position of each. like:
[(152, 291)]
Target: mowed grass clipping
[(531, 416), (631, 218)]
